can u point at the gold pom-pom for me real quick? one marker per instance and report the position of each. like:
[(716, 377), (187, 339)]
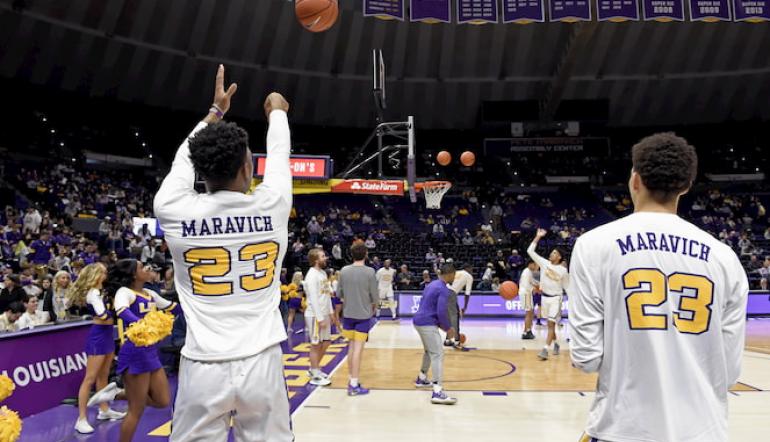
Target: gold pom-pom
[(304, 303), (151, 329), (6, 387), (10, 425), (284, 288), (292, 287)]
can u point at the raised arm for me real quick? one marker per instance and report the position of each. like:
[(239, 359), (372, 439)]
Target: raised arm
[(180, 181), (586, 320), (277, 179), (542, 262)]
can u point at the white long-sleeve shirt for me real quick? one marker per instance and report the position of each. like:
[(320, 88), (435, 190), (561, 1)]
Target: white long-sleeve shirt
[(553, 277), (658, 307), (463, 280), (318, 291), (227, 248)]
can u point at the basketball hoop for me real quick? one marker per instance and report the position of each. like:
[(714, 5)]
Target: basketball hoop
[(434, 191)]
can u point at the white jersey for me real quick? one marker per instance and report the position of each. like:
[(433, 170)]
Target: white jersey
[(463, 281), (227, 247), (527, 282), (319, 294), (657, 307), (385, 280), (553, 277)]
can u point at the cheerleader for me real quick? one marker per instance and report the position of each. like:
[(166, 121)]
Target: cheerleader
[(143, 375), (86, 292), (295, 299), (334, 277)]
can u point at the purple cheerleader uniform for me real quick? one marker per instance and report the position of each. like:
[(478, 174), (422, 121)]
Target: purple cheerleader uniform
[(131, 306), (100, 338)]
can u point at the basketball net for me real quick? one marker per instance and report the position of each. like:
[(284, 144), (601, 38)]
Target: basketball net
[(434, 191)]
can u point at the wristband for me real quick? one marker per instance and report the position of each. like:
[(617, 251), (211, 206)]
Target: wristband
[(216, 111)]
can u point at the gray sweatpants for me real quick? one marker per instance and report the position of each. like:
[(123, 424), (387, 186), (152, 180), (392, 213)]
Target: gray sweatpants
[(453, 311), (434, 351)]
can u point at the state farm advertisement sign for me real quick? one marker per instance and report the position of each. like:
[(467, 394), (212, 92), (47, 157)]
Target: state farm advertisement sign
[(371, 187)]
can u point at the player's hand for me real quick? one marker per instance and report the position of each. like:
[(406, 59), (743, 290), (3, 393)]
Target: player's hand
[(222, 97), (541, 233), (275, 101)]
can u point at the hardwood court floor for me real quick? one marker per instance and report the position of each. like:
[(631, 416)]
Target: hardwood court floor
[(539, 400)]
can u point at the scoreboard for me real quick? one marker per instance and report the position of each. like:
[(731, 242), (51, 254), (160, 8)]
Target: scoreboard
[(306, 167)]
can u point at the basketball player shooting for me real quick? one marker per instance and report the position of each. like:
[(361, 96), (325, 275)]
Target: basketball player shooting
[(658, 308), (226, 244), (553, 279)]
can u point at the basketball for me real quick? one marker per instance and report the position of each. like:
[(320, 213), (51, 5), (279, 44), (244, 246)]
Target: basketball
[(463, 338), (468, 158), (509, 290), (444, 158), (317, 15)]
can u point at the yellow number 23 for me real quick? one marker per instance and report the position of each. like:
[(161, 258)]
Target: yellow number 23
[(215, 262), (656, 292)]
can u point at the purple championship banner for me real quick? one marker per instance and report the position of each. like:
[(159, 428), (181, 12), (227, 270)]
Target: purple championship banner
[(523, 11), (430, 11), (481, 304), (663, 10), (570, 10), (752, 11), (710, 10), (617, 10), (46, 364), (384, 9), (477, 12)]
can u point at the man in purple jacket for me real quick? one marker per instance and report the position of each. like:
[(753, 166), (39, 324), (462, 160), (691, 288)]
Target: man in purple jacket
[(431, 315)]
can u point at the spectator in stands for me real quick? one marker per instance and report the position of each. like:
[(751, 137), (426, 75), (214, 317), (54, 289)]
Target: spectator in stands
[(115, 238), (91, 254), (54, 299), (501, 266), (12, 292), (430, 257), (376, 264), (764, 274), (754, 264), (148, 252), (366, 219), (467, 239), (767, 233), (314, 229), (495, 284), (515, 264), (32, 317), (426, 279), (104, 228), (404, 278), (486, 278), (32, 221), (40, 253), (337, 255), (135, 247), (438, 231), (61, 261), (10, 316), (370, 244)]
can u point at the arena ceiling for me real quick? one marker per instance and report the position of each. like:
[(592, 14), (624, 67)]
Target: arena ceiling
[(164, 53)]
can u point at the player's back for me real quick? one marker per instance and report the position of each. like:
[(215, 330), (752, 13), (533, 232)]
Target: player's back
[(662, 303), (226, 248)]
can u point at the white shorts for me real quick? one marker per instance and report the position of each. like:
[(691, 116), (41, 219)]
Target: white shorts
[(251, 390), (315, 332), (386, 293), (551, 308)]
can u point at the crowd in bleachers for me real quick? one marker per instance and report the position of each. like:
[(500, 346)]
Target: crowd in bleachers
[(486, 228)]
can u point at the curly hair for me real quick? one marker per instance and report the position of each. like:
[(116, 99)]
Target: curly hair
[(89, 278), (121, 274), (218, 150), (666, 163)]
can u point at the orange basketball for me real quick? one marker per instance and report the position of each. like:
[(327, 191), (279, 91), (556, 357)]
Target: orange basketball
[(468, 158), (317, 15), (444, 158), (463, 338), (509, 290)]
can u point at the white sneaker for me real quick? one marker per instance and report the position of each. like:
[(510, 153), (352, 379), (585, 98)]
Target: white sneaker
[(110, 415), (441, 398), (320, 381), (106, 394), (83, 427), (323, 374)]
